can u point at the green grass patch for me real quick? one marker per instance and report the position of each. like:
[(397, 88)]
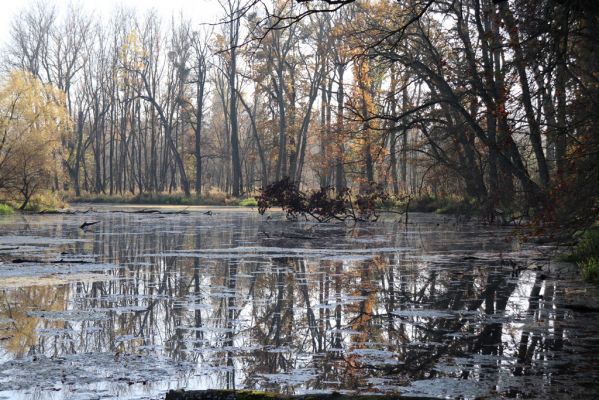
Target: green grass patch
[(249, 202), (587, 247), (590, 269), (5, 209), (586, 255)]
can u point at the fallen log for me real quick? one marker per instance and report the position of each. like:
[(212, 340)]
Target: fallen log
[(61, 261), (86, 224), (154, 211)]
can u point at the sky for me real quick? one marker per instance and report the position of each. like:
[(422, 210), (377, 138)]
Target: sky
[(199, 11)]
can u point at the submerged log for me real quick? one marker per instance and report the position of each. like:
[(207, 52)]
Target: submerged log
[(86, 224), (38, 261), (257, 395)]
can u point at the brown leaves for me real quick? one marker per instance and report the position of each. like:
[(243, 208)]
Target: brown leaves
[(324, 204)]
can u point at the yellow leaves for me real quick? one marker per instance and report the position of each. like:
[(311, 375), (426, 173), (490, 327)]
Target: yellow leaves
[(131, 55), (33, 120), (132, 50), (220, 41), (33, 111)]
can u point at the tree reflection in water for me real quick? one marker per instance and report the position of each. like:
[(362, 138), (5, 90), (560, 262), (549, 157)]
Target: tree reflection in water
[(233, 302)]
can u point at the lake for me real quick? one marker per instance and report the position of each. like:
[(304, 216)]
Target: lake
[(142, 302)]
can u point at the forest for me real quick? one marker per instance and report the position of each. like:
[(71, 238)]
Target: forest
[(417, 184), (491, 102)]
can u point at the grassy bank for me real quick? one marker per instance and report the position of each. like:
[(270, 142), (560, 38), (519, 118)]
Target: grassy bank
[(210, 198), (5, 209), (427, 203), (586, 255), (39, 202)]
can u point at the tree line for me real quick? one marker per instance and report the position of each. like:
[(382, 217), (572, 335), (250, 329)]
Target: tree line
[(493, 101)]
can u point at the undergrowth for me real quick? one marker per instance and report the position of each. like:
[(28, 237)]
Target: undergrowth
[(590, 269), (428, 203), (249, 202), (586, 255), (45, 202), (210, 197), (5, 209)]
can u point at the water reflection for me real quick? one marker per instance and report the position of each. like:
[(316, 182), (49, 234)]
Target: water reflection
[(237, 301)]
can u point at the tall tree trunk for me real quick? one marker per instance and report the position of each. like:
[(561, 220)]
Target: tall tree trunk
[(533, 126), (392, 134), (339, 170), (78, 153), (560, 91), (235, 157), (282, 161), (198, 134), (261, 156)]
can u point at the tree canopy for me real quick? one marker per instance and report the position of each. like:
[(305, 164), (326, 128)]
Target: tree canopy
[(34, 122)]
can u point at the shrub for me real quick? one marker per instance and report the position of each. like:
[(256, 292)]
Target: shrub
[(249, 202), (587, 247), (586, 255), (590, 269), (45, 202), (461, 207), (5, 209), (31, 136)]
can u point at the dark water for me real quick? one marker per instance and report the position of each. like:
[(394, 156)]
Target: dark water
[(145, 303)]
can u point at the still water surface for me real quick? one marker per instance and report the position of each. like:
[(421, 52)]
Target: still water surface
[(140, 303)]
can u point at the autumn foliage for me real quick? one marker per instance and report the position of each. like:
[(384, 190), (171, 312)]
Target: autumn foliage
[(33, 120), (324, 204)]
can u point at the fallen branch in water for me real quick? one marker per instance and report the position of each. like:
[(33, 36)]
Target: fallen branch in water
[(9, 248), (86, 224), (154, 211), (66, 212), (286, 236), (324, 205), (142, 211), (582, 308), (61, 261)]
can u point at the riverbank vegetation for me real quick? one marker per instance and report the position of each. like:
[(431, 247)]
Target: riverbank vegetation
[(586, 254), (209, 197), (5, 209)]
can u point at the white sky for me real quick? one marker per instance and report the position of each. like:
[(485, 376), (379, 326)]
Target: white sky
[(199, 11)]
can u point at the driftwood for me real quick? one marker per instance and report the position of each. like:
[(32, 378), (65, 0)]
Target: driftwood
[(142, 211), (67, 212), (61, 261), (581, 308), (323, 205), (300, 237), (86, 224), (255, 395)]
